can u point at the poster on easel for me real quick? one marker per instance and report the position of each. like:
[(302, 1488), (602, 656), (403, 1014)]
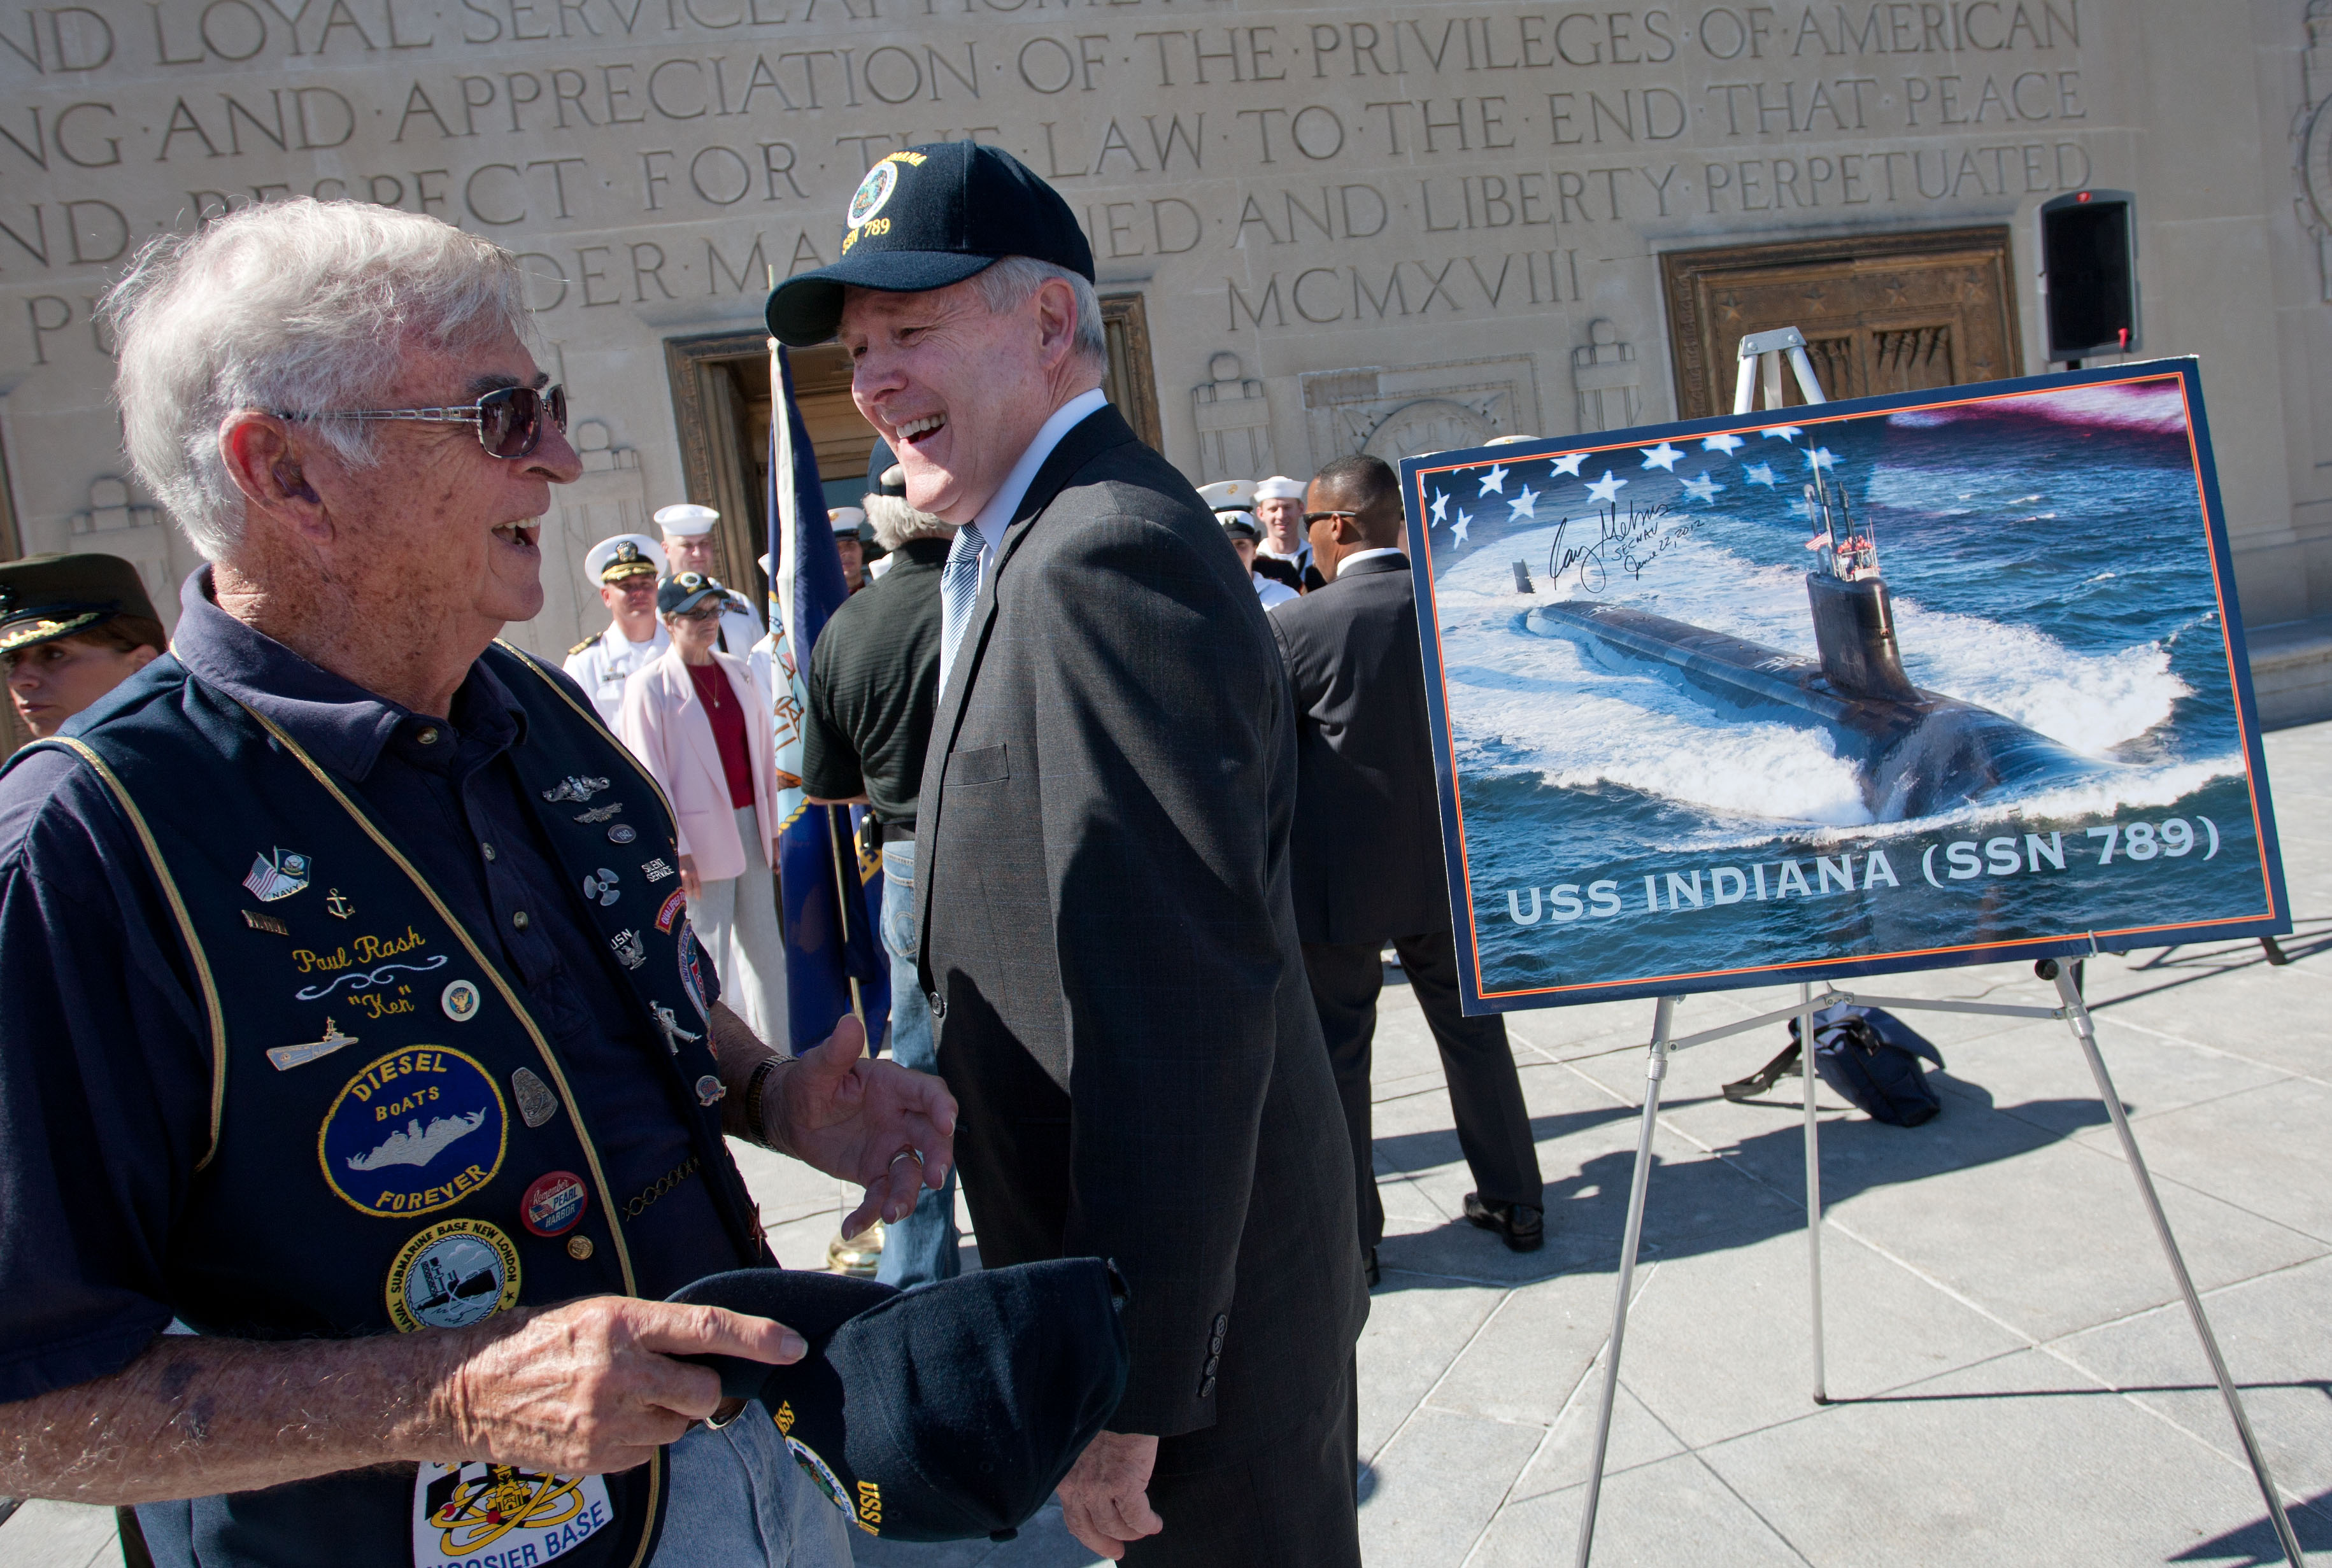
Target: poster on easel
[(1891, 683)]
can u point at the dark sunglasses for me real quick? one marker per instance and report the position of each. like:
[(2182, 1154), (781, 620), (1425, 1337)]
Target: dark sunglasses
[(1312, 518), (509, 421)]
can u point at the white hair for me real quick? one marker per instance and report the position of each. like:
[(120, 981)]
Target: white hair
[(1008, 284), (300, 306), (896, 522)]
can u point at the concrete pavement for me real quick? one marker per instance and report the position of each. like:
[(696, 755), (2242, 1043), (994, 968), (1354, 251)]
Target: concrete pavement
[(2015, 1380)]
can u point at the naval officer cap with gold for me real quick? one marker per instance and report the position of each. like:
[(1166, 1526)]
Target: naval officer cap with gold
[(624, 555), (45, 597)]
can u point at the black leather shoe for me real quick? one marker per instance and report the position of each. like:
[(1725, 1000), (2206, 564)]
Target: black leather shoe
[(1368, 1268), (1523, 1226)]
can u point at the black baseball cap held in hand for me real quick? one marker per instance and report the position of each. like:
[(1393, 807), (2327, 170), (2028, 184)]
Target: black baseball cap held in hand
[(926, 217), (943, 1413)]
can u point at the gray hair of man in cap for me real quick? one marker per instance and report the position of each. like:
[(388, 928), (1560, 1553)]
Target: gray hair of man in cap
[(299, 305)]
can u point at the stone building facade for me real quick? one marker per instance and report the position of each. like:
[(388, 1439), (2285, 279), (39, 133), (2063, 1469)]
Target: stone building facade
[(1321, 228)]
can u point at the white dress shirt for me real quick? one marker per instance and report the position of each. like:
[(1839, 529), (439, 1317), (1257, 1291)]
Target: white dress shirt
[(997, 515), (1357, 557)]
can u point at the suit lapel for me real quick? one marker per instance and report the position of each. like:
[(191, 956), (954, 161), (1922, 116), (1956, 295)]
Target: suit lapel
[(1097, 432)]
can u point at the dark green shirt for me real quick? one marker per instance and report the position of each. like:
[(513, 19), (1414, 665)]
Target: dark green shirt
[(873, 687)]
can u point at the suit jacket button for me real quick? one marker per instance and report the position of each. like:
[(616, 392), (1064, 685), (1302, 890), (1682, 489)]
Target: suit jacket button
[(1222, 1322), (1212, 1362), (1207, 1388), (939, 1005), (1216, 1347)]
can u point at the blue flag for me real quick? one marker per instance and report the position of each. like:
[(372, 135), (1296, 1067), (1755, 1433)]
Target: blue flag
[(834, 965)]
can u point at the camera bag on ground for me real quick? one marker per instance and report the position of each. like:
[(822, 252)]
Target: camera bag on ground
[(1870, 1057)]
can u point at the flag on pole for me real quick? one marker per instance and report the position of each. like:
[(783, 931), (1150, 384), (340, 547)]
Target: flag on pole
[(833, 890)]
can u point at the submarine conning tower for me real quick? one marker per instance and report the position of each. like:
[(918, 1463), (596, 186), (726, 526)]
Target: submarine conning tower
[(1854, 631), (1854, 620)]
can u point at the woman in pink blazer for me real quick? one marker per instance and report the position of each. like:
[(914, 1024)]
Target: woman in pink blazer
[(699, 722)]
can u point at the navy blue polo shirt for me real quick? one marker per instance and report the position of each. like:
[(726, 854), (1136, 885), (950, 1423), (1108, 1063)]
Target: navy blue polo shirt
[(104, 1052)]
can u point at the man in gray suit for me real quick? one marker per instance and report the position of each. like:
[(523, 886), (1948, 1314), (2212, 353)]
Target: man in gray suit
[(1109, 941), (1369, 870)]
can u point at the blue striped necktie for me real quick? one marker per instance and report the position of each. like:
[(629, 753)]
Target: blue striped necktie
[(959, 587)]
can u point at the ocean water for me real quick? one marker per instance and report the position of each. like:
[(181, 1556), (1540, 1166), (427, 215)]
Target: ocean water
[(2049, 561)]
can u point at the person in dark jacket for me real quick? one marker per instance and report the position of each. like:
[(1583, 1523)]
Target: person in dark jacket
[(1369, 869), (1102, 866)]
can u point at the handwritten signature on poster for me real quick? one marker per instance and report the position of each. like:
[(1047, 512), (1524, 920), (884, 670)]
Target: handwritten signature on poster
[(1611, 541)]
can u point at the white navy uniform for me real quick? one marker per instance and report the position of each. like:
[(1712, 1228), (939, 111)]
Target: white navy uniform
[(601, 665), (1300, 560)]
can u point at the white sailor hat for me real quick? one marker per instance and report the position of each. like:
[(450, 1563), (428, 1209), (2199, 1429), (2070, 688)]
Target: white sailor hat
[(1279, 488), (846, 520), (1240, 524), (1228, 495), (624, 555), (687, 520)]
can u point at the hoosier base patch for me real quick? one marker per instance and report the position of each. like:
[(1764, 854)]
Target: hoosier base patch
[(485, 1516)]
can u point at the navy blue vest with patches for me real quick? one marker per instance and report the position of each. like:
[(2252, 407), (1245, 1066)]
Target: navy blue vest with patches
[(381, 1182)]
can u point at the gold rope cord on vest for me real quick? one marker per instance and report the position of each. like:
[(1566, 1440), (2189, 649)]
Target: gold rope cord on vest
[(478, 956), (185, 929)]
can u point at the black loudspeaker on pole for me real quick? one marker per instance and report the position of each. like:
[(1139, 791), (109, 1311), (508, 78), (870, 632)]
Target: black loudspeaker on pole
[(2089, 275)]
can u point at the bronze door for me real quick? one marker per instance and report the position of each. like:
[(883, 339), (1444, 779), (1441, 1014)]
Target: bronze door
[(1881, 312)]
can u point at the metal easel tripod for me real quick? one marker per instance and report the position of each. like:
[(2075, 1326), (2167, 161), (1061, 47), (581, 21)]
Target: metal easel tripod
[(1765, 351)]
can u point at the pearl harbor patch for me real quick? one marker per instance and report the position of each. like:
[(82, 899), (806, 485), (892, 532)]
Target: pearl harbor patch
[(553, 1203), (485, 1515), (455, 1273), (415, 1131)]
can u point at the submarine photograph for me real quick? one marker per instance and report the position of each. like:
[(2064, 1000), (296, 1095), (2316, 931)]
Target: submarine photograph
[(1831, 686)]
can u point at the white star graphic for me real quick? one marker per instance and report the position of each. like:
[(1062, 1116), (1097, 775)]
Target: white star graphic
[(1784, 433), (1820, 457), (1760, 473), (1457, 529), (1662, 456), (1525, 505), (1569, 464), (1496, 479), (1606, 489), (1723, 441), (1701, 487), (1440, 508)]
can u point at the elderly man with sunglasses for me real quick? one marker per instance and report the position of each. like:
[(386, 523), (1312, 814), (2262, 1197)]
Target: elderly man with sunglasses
[(353, 1018)]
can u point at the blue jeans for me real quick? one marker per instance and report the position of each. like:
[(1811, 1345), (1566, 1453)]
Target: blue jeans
[(741, 1500), (921, 1247)]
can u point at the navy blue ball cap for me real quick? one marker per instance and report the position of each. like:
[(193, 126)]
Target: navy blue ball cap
[(944, 1413), (684, 591), (926, 217)]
